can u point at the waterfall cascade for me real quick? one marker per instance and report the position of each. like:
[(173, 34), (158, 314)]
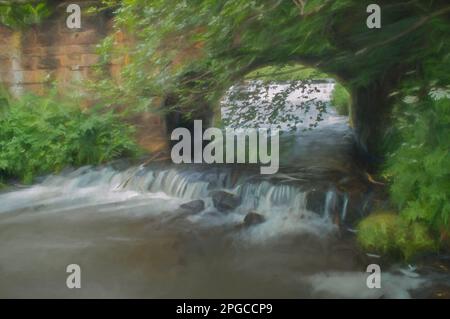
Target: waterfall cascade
[(286, 207)]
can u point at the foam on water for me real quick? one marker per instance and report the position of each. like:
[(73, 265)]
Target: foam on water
[(353, 285)]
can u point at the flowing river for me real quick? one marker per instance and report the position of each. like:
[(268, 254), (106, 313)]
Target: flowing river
[(174, 231)]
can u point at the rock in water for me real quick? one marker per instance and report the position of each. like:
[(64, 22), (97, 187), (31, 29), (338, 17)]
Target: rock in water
[(225, 201), (185, 210), (195, 206), (315, 201), (253, 218)]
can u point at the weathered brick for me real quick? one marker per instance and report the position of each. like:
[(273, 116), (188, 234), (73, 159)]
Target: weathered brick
[(28, 62), (47, 38), (67, 60), (48, 62), (89, 59), (80, 38), (69, 49), (5, 77), (36, 76), (29, 38), (38, 88)]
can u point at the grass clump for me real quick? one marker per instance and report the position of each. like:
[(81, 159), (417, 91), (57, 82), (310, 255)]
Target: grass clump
[(388, 234)]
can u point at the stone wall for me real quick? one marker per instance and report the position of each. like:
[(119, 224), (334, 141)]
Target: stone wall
[(30, 60)]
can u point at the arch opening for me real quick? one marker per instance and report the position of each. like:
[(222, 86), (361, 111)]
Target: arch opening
[(287, 97)]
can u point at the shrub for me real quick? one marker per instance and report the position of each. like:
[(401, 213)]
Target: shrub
[(43, 135), (418, 162)]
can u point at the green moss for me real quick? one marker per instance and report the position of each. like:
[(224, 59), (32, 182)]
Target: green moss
[(388, 234), (376, 232)]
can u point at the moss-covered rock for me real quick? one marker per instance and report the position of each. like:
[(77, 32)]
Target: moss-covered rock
[(387, 233)]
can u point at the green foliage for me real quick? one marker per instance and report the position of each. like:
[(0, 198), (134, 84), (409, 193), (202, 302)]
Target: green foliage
[(420, 167), (20, 15), (418, 145), (236, 37), (341, 100), (4, 101), (388, 234), (43, 135)]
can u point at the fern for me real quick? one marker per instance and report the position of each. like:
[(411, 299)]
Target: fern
[(43, 135)]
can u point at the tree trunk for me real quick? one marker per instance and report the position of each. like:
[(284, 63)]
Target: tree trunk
[(370, 116)]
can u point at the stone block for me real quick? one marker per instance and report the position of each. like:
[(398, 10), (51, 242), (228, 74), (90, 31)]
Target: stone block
[(28, 62), (89, 59), (80, 38), (77, 48), (5, 77), (36, 76), (48, 62), (68, 60)]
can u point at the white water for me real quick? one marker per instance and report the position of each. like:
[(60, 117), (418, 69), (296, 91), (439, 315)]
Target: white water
[(163, 189)]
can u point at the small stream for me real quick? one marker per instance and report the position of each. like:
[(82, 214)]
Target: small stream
[(182, 231)]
